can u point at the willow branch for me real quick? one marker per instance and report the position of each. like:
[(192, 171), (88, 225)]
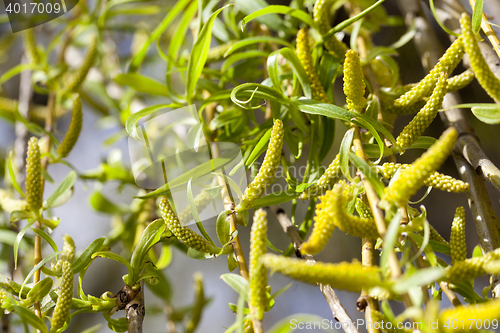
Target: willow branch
[(488, 30), (331, 298), (136, 312)]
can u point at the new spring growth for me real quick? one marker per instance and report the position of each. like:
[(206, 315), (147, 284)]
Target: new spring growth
[(261, 182), (472, 268), (304, 54), (183, 233), (410, 180), (481, 313), (326, 181), (258, 273), (458, 246), (34, 189), (74, 129), (436, 179), (348, 276), (63, 304), (436, 236), (77, 78), (247, 326), (68, 253), (354, 84), (321, 17), (30, 46), (201, 202), (322, 229), (425, 116), (446, 64), (486, 78), (9, 204), (199, 303)]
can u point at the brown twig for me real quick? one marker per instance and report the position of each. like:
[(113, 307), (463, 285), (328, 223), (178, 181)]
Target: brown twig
[(488, 30), (136, 311), (333, 301)]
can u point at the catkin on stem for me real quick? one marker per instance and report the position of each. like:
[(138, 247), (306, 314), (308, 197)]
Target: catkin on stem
[(486, 78), (321, 17), (74, 129), (34, 189), (326, 181), (322, 229), (183, 233), (77, 78), (411, 179), (258, 273), (458, 245), (354, 84), (480, 313), (261, 182)]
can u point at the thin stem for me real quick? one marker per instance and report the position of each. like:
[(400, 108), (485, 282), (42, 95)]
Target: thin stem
[(450, 294), (136, 312), (488, 30)]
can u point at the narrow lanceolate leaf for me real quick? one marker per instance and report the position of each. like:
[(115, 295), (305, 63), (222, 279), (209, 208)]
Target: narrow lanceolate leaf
[(304, 54), (425, 116), (446, 64), (481, 313), (34, 189), (354, 84), (348, 276), (457, 239), (411, 179), (77, 78), (322, 19), (74, 129), (326, 181), (258, 273), (183, 233), (436, 179), (261, 182), (199, 303), (322, 229), (488, 80)]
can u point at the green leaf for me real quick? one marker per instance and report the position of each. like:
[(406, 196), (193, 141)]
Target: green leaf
[(477, 16), (294, 61), (13, 176), (279, 9), (487, 113), (150, 236), (259, 148), (38, 292), (30, 318), (390, 239), (237, 282), (344, 150), (101, 204), (37, 267), (223, 227), (433, 10), (142, 84), (254, 40), (275, 198), (16, 70), (17, 242), (369, 172), (422, 277), (292, 322), (156, 34), (46, 238), (131, 123), (199, 54), (163, 288), (60, 191), (242, 56), (112, 256), (86, 257)]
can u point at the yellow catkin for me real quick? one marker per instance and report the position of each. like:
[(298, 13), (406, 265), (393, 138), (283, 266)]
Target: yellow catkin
[(459, 81), (74, 129), (458, 245), (446, 64), (267, 171), (388, 98), (321, 17), (436, 236), (484, 75), (183, 233), (436, 179), (382, 73), (77, 78), (63, 304), (30, 46), (34, 189), (411, 179), (354, 84), (322, 229), (201, 202), (217, 53), (424, 117), (9, 204), (348, 276), (326, 181), (469, 269), (258, 273), (304, 54), (481, 313), (68, 253)]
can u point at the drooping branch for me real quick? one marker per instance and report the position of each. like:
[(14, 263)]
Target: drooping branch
[(331, 297)]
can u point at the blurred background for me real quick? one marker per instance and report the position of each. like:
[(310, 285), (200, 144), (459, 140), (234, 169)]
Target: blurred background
[(85, 224)]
